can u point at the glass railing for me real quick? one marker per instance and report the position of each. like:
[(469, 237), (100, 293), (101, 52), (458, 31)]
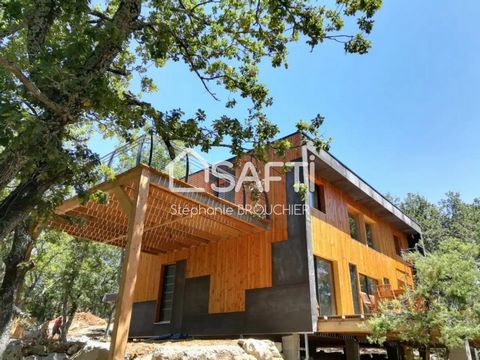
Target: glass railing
[(152, 151)]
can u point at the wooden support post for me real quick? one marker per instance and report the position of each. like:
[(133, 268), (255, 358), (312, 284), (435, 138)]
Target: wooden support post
[(394, 351), (352, 350), (133, 246)]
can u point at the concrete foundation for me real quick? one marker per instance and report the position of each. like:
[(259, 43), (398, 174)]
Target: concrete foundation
[(291, 347)]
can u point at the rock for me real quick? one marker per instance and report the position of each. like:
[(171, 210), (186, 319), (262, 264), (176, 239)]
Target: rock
[(260, 349), (172, 351), (74, 348), (13, 351), (52, 356), (92, 351), (36, 349)]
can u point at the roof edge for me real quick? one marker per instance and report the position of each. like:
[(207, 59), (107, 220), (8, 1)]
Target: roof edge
[(349, 175)]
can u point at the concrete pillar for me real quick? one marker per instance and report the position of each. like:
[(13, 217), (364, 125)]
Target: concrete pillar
[(352, 349), (462, 353), (306, 346), (291, 347)]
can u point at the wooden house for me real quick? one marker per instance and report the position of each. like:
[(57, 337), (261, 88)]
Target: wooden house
[(312, 268)]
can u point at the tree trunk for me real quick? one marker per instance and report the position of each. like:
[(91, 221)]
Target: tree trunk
[(14, 275), (68, 315), (10, 165), (16, 207)]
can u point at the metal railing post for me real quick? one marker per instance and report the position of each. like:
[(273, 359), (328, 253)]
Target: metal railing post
[(151, 150), (139, 152)]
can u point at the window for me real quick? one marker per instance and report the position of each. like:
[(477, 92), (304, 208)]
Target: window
[(402, 279), (386, 281), (325, 287), (368, 286), (353, 224), (165, 298), (369, 232), (398, 247), (317, 198), (354, 285)]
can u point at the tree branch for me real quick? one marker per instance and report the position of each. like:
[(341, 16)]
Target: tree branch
[(12, 29), (99, 15), (39, 24), (33, 89), (120, 27)]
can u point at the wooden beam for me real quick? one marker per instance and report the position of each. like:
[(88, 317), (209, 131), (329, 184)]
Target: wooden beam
[(123, 198), (123, 309), (346, 326), (105, 186)]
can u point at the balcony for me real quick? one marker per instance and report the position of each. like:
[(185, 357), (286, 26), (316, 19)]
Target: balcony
[(173, 220)]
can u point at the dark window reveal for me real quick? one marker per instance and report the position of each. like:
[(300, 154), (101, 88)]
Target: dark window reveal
[(398, 247), (317, 198), (325, 287), (167, 287), (369, 232), (353, 224), (354, 286)]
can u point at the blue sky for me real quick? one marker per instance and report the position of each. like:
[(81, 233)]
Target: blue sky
[(405, 117)]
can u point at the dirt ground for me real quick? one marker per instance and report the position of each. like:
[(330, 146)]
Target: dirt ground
[(86, 324)]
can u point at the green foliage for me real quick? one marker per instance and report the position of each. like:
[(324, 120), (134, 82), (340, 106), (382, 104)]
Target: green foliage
[(443, 308), (451, 217), (302, 190), (66, 70), (72, 271)]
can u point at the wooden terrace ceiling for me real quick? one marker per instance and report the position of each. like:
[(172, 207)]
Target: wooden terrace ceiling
[(164, 230)]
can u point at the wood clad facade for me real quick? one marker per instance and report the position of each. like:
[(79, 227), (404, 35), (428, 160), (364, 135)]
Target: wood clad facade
[(239, 264), (236, 273), (331, 240)]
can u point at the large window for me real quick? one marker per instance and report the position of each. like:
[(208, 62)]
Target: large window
[(325, 287), (368, 287), (370, 236), (165, 298), (317, 198), (353, 224), (354, 285)]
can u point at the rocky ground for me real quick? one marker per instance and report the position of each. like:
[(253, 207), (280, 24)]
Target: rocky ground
[(87, 341)]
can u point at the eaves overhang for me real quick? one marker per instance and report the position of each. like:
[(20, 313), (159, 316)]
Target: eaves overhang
[(338, 174)]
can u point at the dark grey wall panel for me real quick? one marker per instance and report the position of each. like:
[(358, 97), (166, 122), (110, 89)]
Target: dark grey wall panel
[(144, 313), (280, 309), (289, 258), (143, 317)]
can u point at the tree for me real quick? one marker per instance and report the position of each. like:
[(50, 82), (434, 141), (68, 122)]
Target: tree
[(12, 277), (429, 216), (66, 69), (451, 217), (67, 65), (442, 309), (70, 274)]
